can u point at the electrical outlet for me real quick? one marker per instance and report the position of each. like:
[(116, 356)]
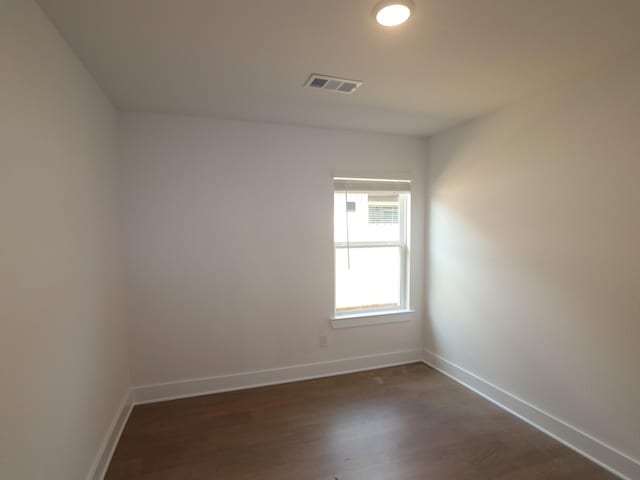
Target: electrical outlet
[(324, 342)]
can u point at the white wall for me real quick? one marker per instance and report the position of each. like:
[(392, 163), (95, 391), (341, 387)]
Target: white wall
[(534, 263), (63, 368), (230, 244)]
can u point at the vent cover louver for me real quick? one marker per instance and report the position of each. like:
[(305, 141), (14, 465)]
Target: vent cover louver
[(338, 85)]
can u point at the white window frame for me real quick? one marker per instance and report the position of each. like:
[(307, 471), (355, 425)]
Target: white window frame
[(350, 318)]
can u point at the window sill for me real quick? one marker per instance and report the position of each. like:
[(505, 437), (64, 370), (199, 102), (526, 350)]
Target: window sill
[(370, 318)]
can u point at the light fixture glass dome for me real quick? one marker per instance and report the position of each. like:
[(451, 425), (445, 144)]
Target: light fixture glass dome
[(393, 13)]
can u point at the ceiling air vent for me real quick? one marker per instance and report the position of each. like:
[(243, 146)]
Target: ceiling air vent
[(339, 85)]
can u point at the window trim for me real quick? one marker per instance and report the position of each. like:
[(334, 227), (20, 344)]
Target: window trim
[(363, 319), (363, 316)]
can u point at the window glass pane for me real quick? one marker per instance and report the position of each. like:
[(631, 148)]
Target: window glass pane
[(372, 217), (371, 281)]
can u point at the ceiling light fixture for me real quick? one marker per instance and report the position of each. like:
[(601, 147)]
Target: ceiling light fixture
[(390, 13)]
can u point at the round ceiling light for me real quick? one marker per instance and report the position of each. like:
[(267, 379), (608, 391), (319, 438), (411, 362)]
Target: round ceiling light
[(393, 13)]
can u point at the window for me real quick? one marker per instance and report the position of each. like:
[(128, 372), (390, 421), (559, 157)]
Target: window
[(384, 209), (371, 232)]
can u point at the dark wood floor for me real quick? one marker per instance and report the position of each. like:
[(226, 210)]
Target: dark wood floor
[(399, 423)]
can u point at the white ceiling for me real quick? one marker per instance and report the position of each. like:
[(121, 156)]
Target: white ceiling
[(248, 59)]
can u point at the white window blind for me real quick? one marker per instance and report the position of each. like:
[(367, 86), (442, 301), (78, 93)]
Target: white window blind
[(355, 185)]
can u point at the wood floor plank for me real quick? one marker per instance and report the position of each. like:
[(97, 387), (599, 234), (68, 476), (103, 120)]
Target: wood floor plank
[(400, 423)]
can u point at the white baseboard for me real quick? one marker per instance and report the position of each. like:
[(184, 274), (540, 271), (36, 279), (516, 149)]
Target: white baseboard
[(595, 450), (259, 378), (108, 446)]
